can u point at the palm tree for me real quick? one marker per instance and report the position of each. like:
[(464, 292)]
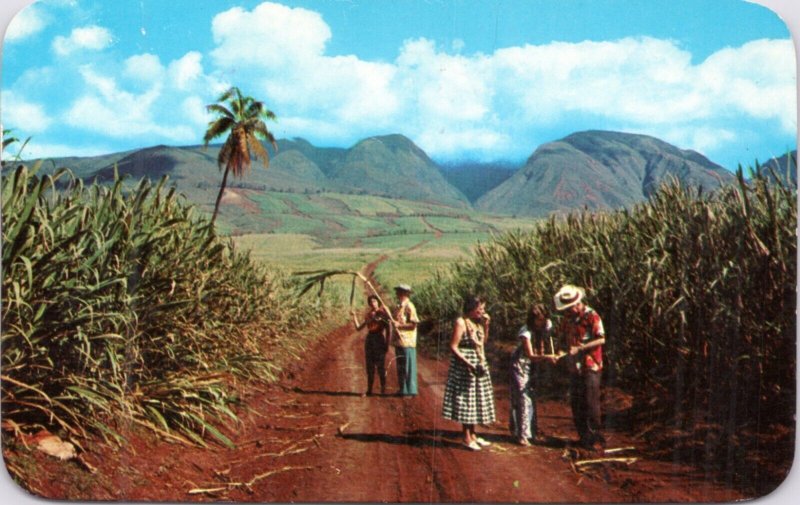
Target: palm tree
[(243, 117)]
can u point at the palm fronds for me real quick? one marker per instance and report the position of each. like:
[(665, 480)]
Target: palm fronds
[(242, 117)]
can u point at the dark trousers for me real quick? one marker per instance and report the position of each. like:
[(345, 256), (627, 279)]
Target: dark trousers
[(585, 399), (375, 353)]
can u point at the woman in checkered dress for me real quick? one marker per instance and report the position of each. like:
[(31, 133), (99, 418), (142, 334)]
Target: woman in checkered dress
[(468, 396)]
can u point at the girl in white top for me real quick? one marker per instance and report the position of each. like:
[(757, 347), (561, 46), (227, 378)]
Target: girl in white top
[(522, 385)]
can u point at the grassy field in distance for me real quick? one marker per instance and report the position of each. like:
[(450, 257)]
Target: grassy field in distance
[(410, 258), (331, 231)]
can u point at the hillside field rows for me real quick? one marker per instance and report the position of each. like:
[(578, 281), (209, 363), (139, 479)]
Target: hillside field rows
[(335, 216), (410, 258), (301, 232)]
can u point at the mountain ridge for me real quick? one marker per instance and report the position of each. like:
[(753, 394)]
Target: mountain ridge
[(593, 170), (598, 170), (784, 168)]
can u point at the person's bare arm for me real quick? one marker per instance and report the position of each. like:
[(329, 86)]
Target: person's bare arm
[(458, 332), (356, 324), (485, 321), (575, 349), (528, 348), (537, 355)]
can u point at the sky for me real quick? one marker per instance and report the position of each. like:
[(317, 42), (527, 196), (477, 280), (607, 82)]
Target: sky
[(476, 80)]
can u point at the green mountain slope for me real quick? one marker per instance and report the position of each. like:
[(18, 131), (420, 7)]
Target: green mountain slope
[(593, 169), (325, 158), (783, 167), (598, 170), (386, 166), (194, 172), (394, 166)]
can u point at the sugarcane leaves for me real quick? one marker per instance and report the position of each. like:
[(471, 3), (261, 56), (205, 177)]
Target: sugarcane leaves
[(211, 429), (155, 414), (318, 277), (116, 295), (696, 290), (21, 230)]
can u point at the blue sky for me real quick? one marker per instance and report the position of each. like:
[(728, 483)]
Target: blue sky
[(464, 79)]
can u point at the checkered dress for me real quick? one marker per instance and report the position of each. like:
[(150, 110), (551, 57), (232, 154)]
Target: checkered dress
[(468, 399)]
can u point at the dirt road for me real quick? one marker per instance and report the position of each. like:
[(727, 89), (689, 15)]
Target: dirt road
[(400, 449), (390, 449), (323, 441), (315, 438)]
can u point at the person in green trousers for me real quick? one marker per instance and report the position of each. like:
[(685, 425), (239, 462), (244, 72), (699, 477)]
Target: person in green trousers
[(405, 341)]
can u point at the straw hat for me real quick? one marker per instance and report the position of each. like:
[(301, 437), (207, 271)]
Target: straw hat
[(403, 287), (568, 296)]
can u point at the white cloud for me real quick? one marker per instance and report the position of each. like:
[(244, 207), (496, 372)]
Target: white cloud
[(294, 126), (643, 80), (143, 98), (270, 36), (758, 79), (144, 67), (343, 89), (187, 70), (451, 87), (709, 139), (454, 143), (449, 101), (92, 37), (443, 97), (26, 117), (119, 120), (107, 109), (702, 139), (283, 49), (28, 22), (194, 109)]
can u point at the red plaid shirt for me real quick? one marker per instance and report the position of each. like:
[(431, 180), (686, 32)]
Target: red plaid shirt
[(579, 330)]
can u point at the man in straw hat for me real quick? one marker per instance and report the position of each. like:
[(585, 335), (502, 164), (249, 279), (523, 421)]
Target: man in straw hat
[(583, 337), (405, 341)]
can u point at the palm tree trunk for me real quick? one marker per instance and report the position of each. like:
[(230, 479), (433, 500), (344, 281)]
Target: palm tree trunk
[(221, 191)]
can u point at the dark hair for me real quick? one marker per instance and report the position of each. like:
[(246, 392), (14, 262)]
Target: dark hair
[(374, 297), (535, 311), (471, 303)]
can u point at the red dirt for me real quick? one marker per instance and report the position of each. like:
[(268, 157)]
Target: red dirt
[(327, 443), (314, 438), (436, 231), (240, 198)]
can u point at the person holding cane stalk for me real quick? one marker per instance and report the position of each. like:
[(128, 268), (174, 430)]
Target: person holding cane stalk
[(377, 342), (583, 338), (523, 421)]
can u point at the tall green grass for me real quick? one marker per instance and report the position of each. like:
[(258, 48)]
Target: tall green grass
[(697, 293), (122, 305)]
